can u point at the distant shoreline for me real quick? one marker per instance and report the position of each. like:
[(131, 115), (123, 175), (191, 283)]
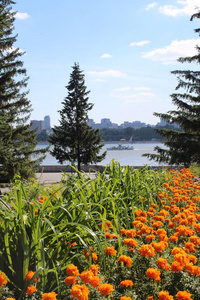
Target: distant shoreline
[(115, 142)]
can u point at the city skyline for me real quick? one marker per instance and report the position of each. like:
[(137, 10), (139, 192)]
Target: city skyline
[(126, 51)]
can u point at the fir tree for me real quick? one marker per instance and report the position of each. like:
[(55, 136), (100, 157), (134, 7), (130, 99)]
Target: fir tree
[(73, 139), (183, 147), (17, 141)]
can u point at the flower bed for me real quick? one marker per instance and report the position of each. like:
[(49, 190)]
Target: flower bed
[(156, 256)]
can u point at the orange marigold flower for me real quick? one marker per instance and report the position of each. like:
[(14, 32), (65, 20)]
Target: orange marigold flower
[(105, 289), (183, 295), (147, 250), (163, 295), (30, 290), (123, 231), (3, 280), (72, 270), (86, 276), (10, 298), (70, 280), (176, 266), (49, 296), (79, 291), (131, 233), (130, 242), (126, 259), (110, 251), (159, 247), (150, 298), (125, 298), (150, 237), (94, 269), (126, 283), (95, 281), (153, 274), (162, 263), (173, 238), (30, 275)]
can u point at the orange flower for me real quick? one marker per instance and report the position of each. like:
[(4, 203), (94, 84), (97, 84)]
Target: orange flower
[(126, 283), (79, 291), (72, 270), (30, 290), (49, 296), (105, 289), (130, 242), (153, 274), (162, 264), (163, 295), (30, 275), (147, 250), (123, 231), (126, 259), (150, 298), (3, 280), (125, 298), (110, 251), (159, 247), (94, 269), (176, 266), (95, 281), (70, 280), (86, 276), (131, 233), (10, 298), (183, 296)]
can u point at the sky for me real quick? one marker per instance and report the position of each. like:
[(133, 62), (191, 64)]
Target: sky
[(125, 48)]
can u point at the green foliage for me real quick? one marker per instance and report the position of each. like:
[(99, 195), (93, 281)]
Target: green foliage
[(38, 225), (183, 148), (17, 141), (73, 139)]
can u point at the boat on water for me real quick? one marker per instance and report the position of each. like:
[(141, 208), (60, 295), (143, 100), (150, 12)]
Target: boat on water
[(120, 147)]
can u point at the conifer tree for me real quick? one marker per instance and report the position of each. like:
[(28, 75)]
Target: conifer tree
[(183, 147), (17, 141), (73, 139)]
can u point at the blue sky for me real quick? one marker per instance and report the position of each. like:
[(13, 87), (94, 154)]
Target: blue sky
[(126, 49)]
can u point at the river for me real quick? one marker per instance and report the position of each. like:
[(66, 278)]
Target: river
[(124, 157)]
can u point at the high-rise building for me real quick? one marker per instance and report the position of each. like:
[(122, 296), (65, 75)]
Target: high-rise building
[(47, 123), (37, 124)]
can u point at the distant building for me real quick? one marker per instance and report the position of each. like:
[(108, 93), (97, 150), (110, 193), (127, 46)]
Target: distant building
[(39, 125), (47, 123)]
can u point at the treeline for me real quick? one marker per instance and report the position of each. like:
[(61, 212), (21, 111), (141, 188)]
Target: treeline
[(142, 134)]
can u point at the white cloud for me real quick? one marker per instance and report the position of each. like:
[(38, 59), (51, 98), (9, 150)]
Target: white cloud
[(106, 55), (124, 89), (141, 43), (171, 53), (142, 88), (21, 16), (186, 7), (151, 5), (135, 97), (109, 73), (99, 80)]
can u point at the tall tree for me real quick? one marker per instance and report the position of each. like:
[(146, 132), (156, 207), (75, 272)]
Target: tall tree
[(73, 139), (17, 141), (183, 147)]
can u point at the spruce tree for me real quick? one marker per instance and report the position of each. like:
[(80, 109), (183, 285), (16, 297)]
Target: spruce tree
[(73, 139), (17, 141), (183, 146)]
